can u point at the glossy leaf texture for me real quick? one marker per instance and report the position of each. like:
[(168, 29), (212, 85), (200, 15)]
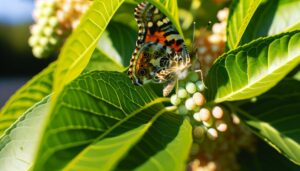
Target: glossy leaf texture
[(79, 47), (275, 118), (99, 114), (29, 94), (100, 61), (164, 147), (19, 143), (123, 38), (254, 68), (273, 17), (241, 12)]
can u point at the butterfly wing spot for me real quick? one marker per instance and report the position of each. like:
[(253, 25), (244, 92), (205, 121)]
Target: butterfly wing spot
[(150, 24)]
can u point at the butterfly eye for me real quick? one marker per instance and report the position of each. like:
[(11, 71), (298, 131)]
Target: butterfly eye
[(142, 72)]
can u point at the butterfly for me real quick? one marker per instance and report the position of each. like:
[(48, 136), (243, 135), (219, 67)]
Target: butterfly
[(160, 55)]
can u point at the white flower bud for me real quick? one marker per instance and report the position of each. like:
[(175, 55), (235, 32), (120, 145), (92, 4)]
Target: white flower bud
[(217, 112), (212, 133), (221, 126)]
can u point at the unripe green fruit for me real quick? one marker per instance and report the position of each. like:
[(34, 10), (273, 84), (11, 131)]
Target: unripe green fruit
[(38, 51), (175, 100), (182, 93), (200, 85), (190, 104), (190, 87), (182, 110), (33, 40)]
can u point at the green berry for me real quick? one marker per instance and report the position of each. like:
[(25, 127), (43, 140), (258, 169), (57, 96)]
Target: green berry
[(33, 40), (36, 30), (193, 76), (48, 31), (175, 100), (48, 12), (182, 93), (198, 132), (44, 41), (190, 104), (200, 85), (190, 87), (38, 51), (182, 110), (53, 21)]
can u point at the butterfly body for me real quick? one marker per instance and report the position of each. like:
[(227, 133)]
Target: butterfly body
[(160, 55)]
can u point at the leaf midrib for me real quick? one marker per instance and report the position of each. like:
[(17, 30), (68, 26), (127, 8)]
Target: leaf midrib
[(227, 97)]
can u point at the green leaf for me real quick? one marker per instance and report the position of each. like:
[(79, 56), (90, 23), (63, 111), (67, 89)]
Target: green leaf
[(88, 108), (123, 38), (79, 47), (265, 158), (114, 145), (240, 14), (275, 118), (254, 68), (165, 146), (32, 92), (19, 143), (273, 17), (102, 62)]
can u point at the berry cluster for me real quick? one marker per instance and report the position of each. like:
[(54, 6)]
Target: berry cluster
[(191, 103), (226, 136), (54, 20), (221, 154)]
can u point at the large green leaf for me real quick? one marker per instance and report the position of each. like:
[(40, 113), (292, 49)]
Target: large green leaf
[(254, 68), (88, 108), (241, 12), (32, 92), (100, 61), (79, 47), (273, 17), (19, 143), (117, 143), (275, 117), (164, 147)]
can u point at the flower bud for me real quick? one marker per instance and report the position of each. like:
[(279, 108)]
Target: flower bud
[(217, 112)]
